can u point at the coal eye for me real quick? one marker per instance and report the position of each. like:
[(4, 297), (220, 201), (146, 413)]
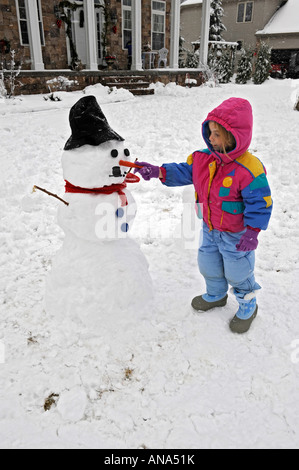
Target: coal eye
[(114, 153), (127, 152)]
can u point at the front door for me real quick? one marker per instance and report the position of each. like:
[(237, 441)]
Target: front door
[(79, 34)]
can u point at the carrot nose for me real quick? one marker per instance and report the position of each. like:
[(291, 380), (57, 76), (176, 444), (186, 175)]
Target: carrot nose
[(129, 164)]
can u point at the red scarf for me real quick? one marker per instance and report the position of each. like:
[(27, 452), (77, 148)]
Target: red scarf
[(113, 188)]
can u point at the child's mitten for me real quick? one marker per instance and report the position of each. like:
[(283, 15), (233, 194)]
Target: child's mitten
[(147, 171), (248, 241)]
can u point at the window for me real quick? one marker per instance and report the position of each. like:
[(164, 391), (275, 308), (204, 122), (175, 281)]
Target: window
[(127, 22), (158, 25), (23, 22), (22, 16), (245, 10)]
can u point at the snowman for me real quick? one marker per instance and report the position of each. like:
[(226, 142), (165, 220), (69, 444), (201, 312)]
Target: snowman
[(99, 277)]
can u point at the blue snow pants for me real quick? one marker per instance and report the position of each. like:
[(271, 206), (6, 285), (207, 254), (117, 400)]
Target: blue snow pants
[(222, 265)]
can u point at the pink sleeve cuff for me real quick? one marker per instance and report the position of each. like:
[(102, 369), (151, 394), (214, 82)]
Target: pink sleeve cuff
[(163, 171), (253, 228)]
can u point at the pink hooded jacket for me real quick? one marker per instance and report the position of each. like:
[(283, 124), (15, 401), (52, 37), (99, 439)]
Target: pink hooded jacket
[(231, 189)]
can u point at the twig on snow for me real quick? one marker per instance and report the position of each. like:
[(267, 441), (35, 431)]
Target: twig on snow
[(50, 194)]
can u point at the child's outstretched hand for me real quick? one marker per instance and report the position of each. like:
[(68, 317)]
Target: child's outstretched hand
[(147, 171), (248, 241)]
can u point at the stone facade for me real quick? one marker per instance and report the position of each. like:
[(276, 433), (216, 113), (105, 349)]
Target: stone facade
[(9, 31), (115, 39), (54, 52)]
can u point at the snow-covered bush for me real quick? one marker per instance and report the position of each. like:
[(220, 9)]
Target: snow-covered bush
[(182, 52), (216, 25), (192, 60), (225, 67), (210, 77), (244, 69), (8, 77), (221, 60), (263, 63), (3, 92), (61, 83)]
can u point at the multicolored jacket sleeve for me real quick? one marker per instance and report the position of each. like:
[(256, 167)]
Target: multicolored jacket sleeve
[(178, 174), (256, 195)]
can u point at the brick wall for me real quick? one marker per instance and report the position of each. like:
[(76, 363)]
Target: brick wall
[(9, 29), (115, 40), (35, 82), (54, 51)]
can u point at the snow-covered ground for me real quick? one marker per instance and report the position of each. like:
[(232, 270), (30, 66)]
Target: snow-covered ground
[(184, 381)]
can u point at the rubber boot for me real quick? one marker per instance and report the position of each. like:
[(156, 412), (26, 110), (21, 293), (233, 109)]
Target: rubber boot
[(199, 303), (245, 315)]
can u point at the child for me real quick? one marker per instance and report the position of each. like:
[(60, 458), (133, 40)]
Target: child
[(233, 194)]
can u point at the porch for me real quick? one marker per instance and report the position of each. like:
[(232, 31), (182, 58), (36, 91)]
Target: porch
[(35, 82)]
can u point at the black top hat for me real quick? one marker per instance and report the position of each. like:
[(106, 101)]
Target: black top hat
[(89, 125)]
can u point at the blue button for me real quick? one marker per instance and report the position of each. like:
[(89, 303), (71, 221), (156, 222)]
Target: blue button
[(119, 212), (124, 227)]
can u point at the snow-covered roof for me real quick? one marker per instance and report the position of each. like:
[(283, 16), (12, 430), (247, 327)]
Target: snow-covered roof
[(191, 2), (285, 20)]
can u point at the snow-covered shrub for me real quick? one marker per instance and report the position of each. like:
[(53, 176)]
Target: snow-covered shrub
[(221, 59), (225, 67), (210, 77), (216, 25), (8, 77), (3, 92), (182, 51), (263, 64), (61, 83), (192, 60), (244, 69)]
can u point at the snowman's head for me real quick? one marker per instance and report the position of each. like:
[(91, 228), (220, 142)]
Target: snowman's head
[(92, 166), (92, 153)]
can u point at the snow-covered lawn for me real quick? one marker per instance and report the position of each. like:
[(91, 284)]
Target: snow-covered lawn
[(184, 381)]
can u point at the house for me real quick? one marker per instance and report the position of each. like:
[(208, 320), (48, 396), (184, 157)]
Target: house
[(90, 35), (282, 33), (50, 33), (248, 22)]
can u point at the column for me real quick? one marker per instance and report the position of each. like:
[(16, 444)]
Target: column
[(91, 47), (136, 35), (204, 37), (34, 35), (174, 34)]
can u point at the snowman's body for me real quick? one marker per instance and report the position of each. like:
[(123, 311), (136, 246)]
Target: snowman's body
[(96, 216), (99, 276)]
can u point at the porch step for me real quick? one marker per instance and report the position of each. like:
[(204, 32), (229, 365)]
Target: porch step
[(135, 84), (142, 91), (128, 85)]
